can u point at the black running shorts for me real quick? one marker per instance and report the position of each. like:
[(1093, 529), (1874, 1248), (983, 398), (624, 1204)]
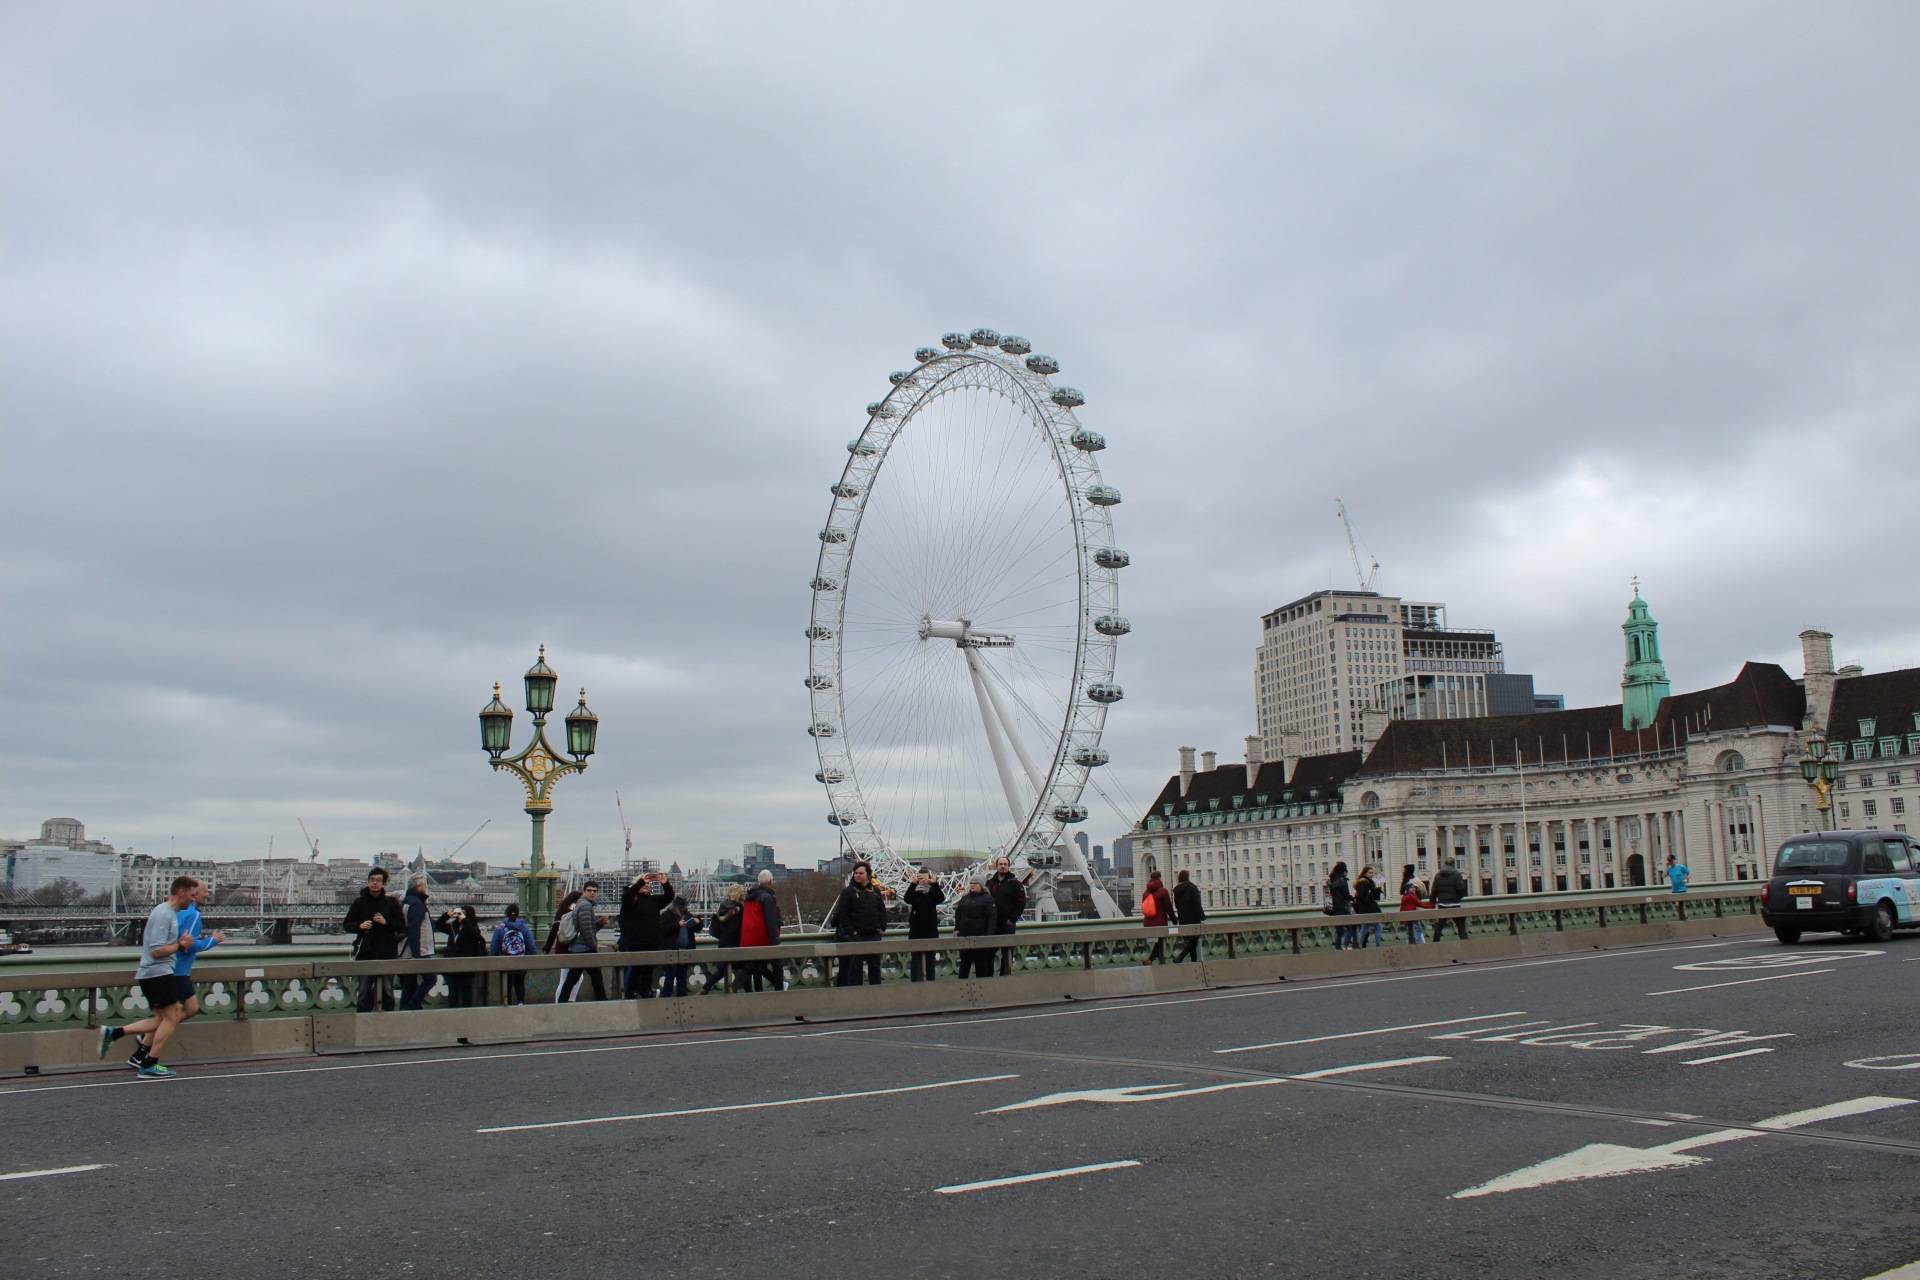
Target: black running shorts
[(161, 992)]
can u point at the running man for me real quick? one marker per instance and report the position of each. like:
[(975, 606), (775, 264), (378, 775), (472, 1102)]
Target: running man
[(183, 961), (160, 942)]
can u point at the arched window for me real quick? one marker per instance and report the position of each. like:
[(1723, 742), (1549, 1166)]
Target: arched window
[(1371, 800), (1731, 762)]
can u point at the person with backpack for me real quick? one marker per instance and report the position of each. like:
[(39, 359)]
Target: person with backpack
[(553, 946), (974, 917), (1366, 902), (1449, 890), (1189, 910), (923, 921), (1337, 900), (462, 927), (1156, 912), (512, 939), (641, 928), (679, 931), (580, 935), (1412, 898), (724, 924)]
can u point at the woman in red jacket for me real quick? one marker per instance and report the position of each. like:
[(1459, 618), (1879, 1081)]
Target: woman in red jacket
[(1156, 912), (1412, 898)]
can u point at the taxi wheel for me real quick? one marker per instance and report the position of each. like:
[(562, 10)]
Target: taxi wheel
[(1881, 930), (1787, 936)]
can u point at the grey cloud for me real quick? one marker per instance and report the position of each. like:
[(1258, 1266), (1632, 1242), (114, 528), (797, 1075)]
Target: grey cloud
[(356, 351)]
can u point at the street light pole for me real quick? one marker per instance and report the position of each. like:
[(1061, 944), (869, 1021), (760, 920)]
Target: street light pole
[(1820, 769), (539, 767)]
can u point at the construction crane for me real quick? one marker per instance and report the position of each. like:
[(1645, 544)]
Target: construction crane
[(1367, 576), (313, 846), (625, 830), (449, 857)]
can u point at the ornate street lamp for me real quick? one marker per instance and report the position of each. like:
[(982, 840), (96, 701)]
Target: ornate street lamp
[(539, 767), (1820, 769)]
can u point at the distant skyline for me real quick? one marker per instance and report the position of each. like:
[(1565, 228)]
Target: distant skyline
[(355, 352)]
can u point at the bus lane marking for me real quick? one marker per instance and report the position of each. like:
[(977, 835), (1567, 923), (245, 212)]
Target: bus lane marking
[(1377, 1031), (1593, 1037), (1713, 986), (1179, 1089)]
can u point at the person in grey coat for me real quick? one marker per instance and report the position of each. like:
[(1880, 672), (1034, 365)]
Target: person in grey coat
[(587, 923)]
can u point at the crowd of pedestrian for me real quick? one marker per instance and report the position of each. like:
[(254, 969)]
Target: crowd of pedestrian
[(652, 916)]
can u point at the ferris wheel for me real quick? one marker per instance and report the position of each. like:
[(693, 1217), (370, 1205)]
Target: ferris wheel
[(966, 617)]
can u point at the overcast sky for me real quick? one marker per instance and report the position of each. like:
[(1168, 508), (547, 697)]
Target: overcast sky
[(352, 351)]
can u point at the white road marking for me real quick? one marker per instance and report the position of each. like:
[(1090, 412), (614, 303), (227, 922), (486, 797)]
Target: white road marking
[(1797, 973), (405, 1062), (1378, 1031), (1608, 1160), (1480, 1031), (1774, 960), (1522, 1035), (48, 1173), (1892, 1061), (1330, 1072), (961, 1187), (746, 1106), (1721, 1057), (1179, 1089)]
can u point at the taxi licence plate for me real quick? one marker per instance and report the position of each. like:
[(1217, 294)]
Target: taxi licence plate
[(1804, 890)]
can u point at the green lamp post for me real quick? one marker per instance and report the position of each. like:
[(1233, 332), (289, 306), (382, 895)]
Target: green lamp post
[(539, 767), (1820, 769)]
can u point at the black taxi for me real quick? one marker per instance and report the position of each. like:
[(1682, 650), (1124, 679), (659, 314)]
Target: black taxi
[(1865, 882)]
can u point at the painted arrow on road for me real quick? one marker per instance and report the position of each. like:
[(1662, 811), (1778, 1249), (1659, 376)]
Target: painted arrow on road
[(1167, 1092), (1606, 1160)]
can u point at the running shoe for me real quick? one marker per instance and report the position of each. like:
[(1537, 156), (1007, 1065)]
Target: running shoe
[(156, 1071), (138, 1058), (107, 1036)]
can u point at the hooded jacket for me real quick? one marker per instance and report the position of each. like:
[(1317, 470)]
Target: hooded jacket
[(860, 913), (382, 941), (1187, 905), (418, 940), (923, 909), (463, 940), (1366, 897), (1339, 895), (760, 918), (1009, 898), (1449, 887), (520, 925), (642, 907), (974, 915), (724, 924), (1162, 900)]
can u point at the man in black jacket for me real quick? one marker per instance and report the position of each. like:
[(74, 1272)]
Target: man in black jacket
[(640, 927), (374, 920), (416, 943), (975, 916), (1009, 904), (1449, 889), (1187, 909), (923, 921)]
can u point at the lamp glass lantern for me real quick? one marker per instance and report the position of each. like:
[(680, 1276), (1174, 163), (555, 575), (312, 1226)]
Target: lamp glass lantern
[(496, 725), (582, 728), (540, 680)]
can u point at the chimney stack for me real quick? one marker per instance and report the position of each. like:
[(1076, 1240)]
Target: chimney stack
[(1207, 759), (1816, 656), (1253, 758), (1186, 770)]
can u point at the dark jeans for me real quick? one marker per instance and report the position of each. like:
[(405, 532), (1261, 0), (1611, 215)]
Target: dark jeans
[(920, 966), (640, 983), (1006, 956), (368, 988), (460, 990), (573, 980), (722, 976), (766, 975), (851, 966), (976, 962), (516, 990), (1159, 951), (675, 983), (1442, 919), (1189, 949), (414, 988)]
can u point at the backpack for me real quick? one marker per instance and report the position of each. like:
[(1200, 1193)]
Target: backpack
[(513, 942), (569, 929), (1326, 902), (1149, 908)]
